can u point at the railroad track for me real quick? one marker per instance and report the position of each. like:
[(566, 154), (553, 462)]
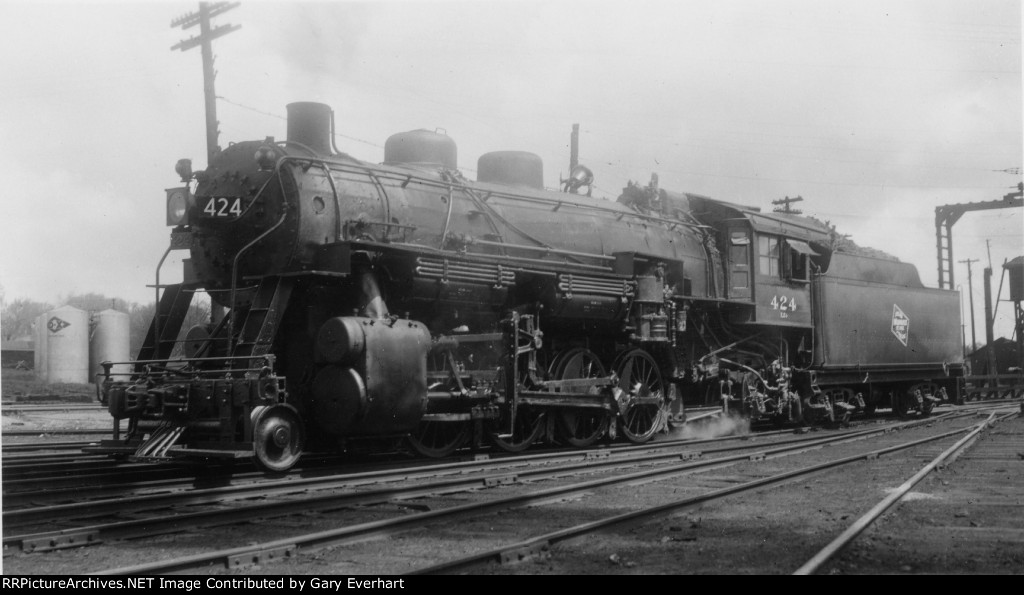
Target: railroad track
[(964, 518), (51, 407), (20, 506), (70, 448), (421, 493), (46, 477), (35, 467)]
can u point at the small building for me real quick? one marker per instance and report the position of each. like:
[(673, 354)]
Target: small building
[(1006, 357), (15, 351)]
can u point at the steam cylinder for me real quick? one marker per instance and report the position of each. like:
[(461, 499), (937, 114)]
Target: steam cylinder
[(109, 342), (67, 345)]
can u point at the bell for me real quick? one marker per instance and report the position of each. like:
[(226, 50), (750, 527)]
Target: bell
[(580, 176)]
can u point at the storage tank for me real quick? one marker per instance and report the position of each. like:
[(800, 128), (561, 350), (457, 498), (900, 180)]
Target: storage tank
[(1016, 270), (39, 357), (109, 342), (67, 345)]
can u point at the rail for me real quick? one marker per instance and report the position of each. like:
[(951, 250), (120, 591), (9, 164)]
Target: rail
[(851, 533), (682, 463)]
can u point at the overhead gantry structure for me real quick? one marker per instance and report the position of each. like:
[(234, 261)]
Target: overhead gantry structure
[(947, 215)]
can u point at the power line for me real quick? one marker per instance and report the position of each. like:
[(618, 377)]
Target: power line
[(284, 118)]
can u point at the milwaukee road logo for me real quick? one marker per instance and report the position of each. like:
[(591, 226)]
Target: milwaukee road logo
[(56, 325), (900, 324)]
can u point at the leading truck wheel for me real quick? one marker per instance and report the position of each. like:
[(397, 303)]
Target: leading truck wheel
[(277, 437)]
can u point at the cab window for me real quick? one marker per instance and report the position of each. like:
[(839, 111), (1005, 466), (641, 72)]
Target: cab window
[(768, 261), (797, 254), (797, 266)]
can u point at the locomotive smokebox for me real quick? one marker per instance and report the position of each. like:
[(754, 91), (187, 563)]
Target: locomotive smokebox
[(309, 123)]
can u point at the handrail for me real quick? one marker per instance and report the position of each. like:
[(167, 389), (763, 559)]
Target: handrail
[(234, 275), (368, 169), (156, 308)]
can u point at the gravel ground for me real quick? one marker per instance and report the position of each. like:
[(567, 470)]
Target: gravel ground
[(772, 531)]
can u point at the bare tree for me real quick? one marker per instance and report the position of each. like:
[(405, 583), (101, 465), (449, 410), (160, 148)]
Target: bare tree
[(96, 302), (19, 316)]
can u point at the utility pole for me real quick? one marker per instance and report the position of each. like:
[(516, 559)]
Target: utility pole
[(970, 294), (963, 329), (204, 39), (785, 202), (574, 148), (989, 323), (990, 317)]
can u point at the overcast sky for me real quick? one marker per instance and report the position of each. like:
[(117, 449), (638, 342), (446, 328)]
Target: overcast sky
[(875, 112)]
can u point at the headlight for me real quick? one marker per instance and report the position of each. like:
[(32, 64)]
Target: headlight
[(266, 157), (177, 206)]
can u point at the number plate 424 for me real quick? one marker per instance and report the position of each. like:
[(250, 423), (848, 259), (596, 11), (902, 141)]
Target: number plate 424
[(784, 305), (220, 206)]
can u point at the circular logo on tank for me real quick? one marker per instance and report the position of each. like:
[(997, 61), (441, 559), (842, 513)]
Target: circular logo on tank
[(56, 325)]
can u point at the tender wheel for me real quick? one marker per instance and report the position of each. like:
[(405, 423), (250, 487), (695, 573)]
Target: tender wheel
[(438, 439), (529, 425), (642, 401), (580, 427), (277, 436), (900, 405), (927, 389)]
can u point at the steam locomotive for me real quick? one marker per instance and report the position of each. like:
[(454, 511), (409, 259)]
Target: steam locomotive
[(371, 305)]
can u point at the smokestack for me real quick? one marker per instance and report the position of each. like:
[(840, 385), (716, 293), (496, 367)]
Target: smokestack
[(309, 123)]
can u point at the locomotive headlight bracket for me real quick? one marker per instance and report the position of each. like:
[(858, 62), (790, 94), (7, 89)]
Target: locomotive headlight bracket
[(178, 202)]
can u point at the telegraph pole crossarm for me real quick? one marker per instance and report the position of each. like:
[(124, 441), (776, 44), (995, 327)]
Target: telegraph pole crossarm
[(195, 40), (785, 202), (193, 19)]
